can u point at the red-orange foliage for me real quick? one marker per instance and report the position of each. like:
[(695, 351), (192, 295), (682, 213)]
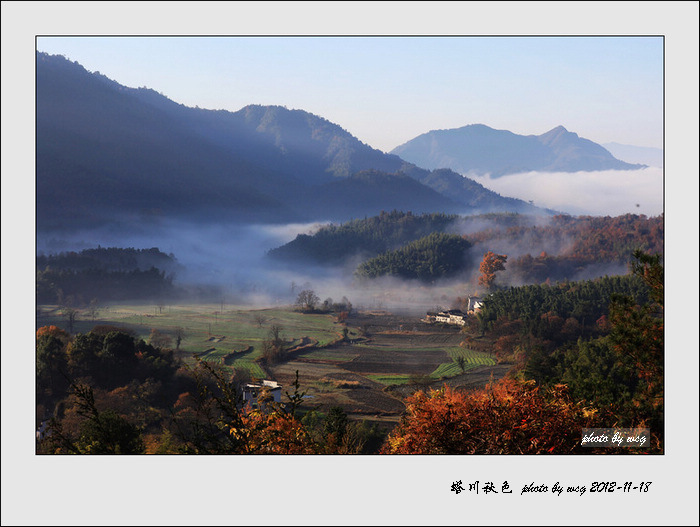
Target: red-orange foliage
[(251, 431), (508, 417), (54, 331), (572, 242), (491, 263), (273, 433)]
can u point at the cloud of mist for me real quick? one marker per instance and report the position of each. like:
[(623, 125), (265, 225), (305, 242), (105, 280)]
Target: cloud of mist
[(228, 263), (604, 193)]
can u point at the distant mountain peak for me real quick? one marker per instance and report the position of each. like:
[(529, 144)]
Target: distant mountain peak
[(481, 150), (558, 133)]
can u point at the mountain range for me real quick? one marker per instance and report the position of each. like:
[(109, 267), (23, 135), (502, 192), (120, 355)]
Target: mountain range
[(477, 149), (107, 154)]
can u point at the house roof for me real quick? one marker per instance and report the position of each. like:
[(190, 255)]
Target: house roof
[(273, 385)]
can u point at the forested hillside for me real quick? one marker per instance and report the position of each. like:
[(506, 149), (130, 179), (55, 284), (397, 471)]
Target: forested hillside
[(539, 249), (109, 259), (438, 255), (368, 237), (560, 311), (106, 274)]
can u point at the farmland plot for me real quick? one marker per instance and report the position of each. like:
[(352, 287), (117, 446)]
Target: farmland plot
[(394, 351), (384, 356)]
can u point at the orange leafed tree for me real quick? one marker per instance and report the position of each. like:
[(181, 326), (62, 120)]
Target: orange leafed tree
[(272, 433), (490, 265), (54, 331), (508, 417)]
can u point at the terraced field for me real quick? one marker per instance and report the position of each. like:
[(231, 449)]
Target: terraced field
[(393, 352), (384, 357)]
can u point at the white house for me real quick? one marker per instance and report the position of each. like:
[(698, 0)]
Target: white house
[(252, 391), (453, 316)]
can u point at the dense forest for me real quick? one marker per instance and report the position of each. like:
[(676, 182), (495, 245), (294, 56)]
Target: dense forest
[(109, 259), (368, 237), (438, 255), (622, 369), (537, 306), (106, 274)]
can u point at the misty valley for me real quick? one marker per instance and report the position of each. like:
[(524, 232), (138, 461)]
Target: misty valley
[(342, 318), (263, 282)]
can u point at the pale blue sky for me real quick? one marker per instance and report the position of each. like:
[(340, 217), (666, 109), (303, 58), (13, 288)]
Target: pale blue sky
[(387, 90)]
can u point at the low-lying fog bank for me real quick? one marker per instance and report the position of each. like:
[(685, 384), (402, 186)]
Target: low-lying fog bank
[(603, 193), (227, 263)]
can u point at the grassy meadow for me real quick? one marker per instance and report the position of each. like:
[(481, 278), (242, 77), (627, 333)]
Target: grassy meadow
[(207, 331)]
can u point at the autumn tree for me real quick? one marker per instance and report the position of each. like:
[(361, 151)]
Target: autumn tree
[(490, 265), (507, 417), (273, 433), (54, 331)]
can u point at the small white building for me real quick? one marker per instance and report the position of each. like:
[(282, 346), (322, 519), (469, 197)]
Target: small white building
[(252, 391), (453, 316)]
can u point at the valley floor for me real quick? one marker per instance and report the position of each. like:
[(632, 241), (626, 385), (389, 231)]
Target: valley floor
[(385, 357), (370, 376)]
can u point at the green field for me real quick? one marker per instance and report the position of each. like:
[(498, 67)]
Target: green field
[(472, 359), (209, 332), (389, 379)]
